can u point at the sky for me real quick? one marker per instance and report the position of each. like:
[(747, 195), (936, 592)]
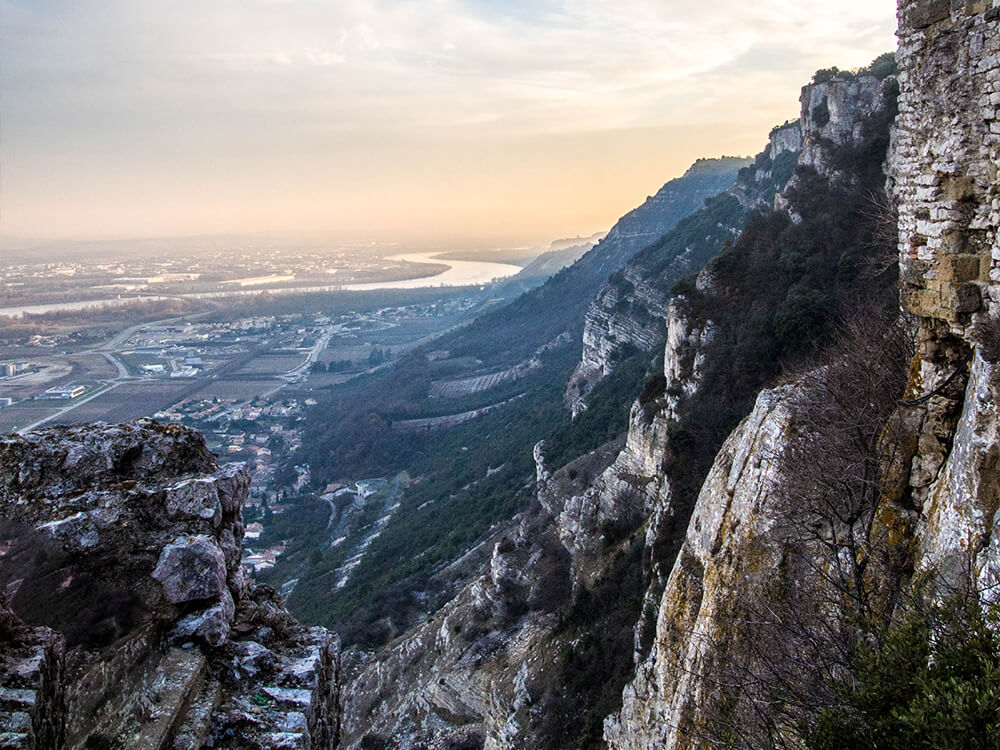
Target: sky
[(451, 121)]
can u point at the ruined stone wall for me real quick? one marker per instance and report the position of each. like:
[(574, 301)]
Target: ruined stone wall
[(946, 175), (32, 714), (946, 158)]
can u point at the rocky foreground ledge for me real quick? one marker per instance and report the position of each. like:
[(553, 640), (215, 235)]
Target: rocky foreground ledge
[(126, 618)]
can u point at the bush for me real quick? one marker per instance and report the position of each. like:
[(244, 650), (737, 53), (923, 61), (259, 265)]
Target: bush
[(821, 113), (881, 67), (654, 387), (826, 74), (801, 319), (684, 286), (933, 682)]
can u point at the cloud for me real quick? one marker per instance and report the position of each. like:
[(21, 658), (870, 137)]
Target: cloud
[(186, 84)]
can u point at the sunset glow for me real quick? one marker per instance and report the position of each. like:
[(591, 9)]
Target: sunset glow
[(447, 120)]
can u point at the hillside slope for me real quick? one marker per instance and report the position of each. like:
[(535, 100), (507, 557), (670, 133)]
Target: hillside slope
[(536, 650)]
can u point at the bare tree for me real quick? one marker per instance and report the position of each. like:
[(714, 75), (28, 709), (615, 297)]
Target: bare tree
[(837, 497)]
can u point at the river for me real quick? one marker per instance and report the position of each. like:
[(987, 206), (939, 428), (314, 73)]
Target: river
[(458, 273)]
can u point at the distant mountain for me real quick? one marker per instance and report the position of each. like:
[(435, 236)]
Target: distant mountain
[(561, 253)]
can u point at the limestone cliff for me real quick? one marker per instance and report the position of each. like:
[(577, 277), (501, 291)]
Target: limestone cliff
[(943, 169), (121, 551), (629, 311), (730, 548)]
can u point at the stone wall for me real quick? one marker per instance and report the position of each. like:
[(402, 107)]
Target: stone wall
[(32, 715), (947, 153), (946, 175)]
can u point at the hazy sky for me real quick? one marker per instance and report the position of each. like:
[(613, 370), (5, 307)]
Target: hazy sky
[(491, 120)]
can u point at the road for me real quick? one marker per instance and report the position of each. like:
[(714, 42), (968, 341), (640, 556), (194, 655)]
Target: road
[(294, 376), (122, 370)]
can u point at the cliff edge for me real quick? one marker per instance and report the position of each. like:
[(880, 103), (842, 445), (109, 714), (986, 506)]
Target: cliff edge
[(121, 550)]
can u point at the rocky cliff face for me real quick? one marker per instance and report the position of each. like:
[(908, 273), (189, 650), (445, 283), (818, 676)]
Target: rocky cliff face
[(731, 548), (630, 310), (587, 589), (122, 553), (944, 169), (946, 174)]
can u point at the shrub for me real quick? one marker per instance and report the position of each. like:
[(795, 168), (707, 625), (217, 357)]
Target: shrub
[(821, 113), (882, 66), (801, 319), (932, 682), (684, 287), (653, 387), (826, 74)]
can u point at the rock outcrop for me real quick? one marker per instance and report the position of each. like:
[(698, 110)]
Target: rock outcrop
[(730, 550), (629, 311), (127, 542)]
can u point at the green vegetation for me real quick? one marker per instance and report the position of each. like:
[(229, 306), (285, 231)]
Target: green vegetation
[(694, 240), (469, 477), (596, 661), (931, 683), (881, 67)]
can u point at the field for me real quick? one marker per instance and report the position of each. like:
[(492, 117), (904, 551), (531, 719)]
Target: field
[(128, 401), (238, 389), (277, 364), (14, 418), (339, 352), (409, 331), (468, 386), (322, 379)]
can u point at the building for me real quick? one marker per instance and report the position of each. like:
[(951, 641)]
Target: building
[(63, 392), (6, 401), (10, 369)]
